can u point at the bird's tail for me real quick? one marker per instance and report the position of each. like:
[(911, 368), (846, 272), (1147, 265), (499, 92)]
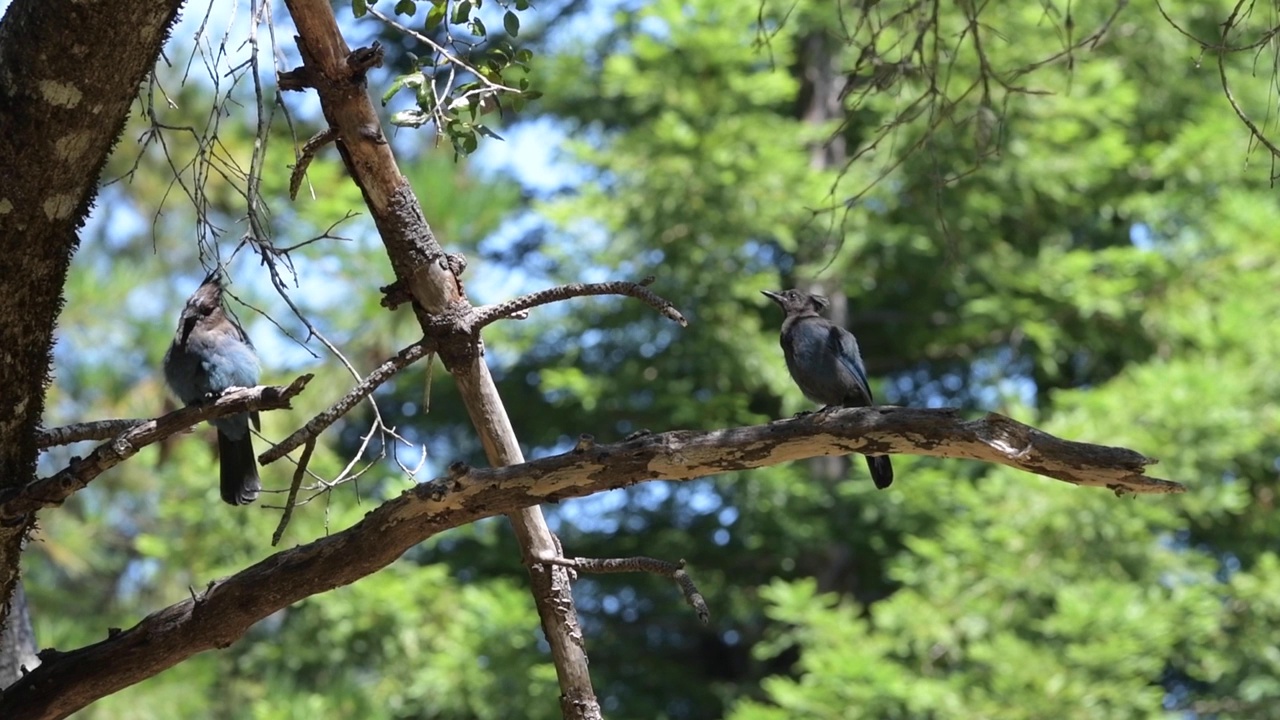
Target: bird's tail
[(881, 470), (240, 484)]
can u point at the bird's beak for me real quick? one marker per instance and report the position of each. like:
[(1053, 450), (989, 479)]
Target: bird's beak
[(772, 296)]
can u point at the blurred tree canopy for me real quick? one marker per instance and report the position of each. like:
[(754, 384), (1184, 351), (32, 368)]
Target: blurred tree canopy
[(1087, 244)]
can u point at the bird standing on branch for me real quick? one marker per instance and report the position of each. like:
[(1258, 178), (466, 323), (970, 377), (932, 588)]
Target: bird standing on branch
[(824, 361), (209, 354)]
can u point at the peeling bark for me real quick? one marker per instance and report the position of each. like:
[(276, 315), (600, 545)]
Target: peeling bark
[(66, 682)]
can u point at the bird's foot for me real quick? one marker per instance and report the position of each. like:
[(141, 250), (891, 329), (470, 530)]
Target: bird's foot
[(801, 414)]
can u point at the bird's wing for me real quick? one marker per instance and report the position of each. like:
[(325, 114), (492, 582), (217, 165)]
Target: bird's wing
[(845, 348)]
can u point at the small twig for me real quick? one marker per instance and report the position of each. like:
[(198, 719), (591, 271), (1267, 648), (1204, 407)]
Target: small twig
[(481, 77), (320, 422), (675, 571), (492, 313), (293, 491), (317, 141), (1226, 86), (54, 490)]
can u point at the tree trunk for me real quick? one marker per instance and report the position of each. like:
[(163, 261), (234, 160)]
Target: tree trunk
[(68, 73)]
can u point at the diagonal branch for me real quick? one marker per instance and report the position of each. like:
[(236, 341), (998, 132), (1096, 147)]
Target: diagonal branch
[(319, 423), (54, 490), (492, 313), (79, 432), (430, 277), (222, 614)]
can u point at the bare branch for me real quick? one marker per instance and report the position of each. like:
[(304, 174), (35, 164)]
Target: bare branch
[(492, 313), (317, 141), (293, 491), (685, 454), (320, 422), (654, 566), (223, 613), (55, 489), (79, 432)]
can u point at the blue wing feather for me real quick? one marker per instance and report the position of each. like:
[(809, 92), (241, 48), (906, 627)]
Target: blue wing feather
[(845, 348)]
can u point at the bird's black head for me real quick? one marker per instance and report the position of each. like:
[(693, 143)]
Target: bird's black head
[(797, 302), (204, 302)]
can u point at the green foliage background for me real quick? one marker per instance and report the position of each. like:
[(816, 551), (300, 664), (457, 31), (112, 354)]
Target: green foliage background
[(1109, 271)]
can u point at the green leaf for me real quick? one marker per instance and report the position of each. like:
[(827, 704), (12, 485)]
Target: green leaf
[(359, 8), (406, 7), (511, 23), (410, 118), (461, 12), (396, 86), (434, 16), (477, 28)]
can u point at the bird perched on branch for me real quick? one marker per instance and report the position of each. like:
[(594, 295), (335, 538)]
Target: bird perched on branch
[(209, 354), (824, 361)]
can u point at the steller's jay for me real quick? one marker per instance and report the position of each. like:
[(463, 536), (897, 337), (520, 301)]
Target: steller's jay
[(209, 354), (824, 361)]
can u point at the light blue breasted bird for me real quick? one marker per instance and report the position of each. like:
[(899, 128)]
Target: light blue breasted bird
[(209, 354), (824, 361)]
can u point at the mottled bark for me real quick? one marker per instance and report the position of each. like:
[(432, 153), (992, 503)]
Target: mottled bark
[(68, 73), (222, 613)]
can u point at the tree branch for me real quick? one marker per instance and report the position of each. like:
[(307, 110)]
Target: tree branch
[(55, 489), (79, 432), (319, 423), (492, 313), (430, 277), (229, 607), (641, 564)]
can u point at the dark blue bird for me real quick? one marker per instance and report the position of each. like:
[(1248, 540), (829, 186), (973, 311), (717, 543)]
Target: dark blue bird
[(209, 354), (824, 361)]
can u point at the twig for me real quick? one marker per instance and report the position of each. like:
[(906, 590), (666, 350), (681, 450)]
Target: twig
[(1226, 86), (54, 490), (293, 491), (318, 423), (675, 571), (492, 313), (444, 53), (317, 141)]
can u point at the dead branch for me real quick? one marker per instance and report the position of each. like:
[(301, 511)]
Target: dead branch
[(640, 564), (492, 313), (424, 271), (317, 141), (319, 423), (686, 454), (79, 432), (54, 490), (289, 504), (223, 613)]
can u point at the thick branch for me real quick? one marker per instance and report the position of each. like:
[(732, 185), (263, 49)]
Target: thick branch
[(227, 610), (55, 489), (79, 432)]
